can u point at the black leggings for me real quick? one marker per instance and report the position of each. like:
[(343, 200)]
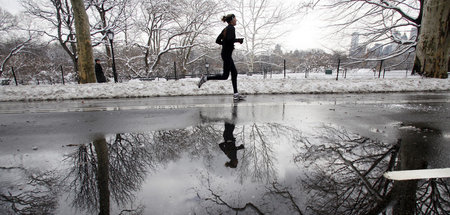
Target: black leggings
[(228, 65)]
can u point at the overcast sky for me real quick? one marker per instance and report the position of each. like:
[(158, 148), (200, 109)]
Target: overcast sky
[(309, 33), (11, 6)]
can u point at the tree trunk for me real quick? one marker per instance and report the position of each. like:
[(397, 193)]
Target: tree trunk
[(433, 49), (84, 48), (416, 152), (101, 149)]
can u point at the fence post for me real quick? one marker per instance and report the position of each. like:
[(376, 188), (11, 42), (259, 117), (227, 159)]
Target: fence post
[(62, 75), (337, 73), (175, 69), (284, 63), (379, 71), (14, 74)]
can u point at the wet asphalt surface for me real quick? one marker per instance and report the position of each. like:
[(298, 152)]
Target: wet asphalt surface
[(305, 154)]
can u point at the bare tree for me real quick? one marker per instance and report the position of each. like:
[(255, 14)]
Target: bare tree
[(196, 21), (157, 20), (14, 51), (379, 25), (261, 22), (314, 61), (108, 15), (58, 14), (8, 23)]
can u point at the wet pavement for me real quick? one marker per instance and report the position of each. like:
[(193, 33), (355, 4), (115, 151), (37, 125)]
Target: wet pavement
[(277, 154)]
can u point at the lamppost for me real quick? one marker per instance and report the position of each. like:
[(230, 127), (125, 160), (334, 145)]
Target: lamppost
[(207, 67), (110, 35)]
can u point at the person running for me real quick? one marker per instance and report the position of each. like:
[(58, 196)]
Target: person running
[(227, 38)]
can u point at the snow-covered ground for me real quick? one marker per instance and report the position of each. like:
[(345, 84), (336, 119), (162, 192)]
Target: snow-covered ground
[(356, 81)]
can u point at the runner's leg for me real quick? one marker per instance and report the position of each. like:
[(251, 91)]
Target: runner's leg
[(226, 69), (233, 76)]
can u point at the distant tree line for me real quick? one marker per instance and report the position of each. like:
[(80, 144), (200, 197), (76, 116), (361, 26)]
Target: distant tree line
[(156, 38), (46, 63)]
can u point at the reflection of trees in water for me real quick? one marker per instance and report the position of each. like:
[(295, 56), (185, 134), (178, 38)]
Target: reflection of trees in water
[(129, 162), (196, 142), (201, 141), (256, 164), (258, 159), (346, 171), (430, 196), (130, 158), (274, 198), (35, 193), (433, 196), (347, 176), (125, 170), (218, 199), (83, 175)]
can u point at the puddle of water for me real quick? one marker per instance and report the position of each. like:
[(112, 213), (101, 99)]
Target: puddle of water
[(297, 159)]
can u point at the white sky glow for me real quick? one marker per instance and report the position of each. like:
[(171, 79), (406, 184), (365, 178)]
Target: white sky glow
[(308, 33)]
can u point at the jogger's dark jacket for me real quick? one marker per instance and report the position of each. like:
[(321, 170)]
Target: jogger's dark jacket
[(227, 38)]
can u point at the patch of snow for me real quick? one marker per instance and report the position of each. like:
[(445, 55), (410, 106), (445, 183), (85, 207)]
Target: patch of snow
[(409, 128), (418, 174), (357, 81)]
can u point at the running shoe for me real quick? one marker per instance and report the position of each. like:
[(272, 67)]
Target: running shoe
[(238, 97)]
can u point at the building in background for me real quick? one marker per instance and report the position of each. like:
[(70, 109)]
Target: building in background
[(356, 50)]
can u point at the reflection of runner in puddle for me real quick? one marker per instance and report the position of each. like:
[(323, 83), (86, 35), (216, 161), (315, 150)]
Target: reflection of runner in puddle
[(229, 145)]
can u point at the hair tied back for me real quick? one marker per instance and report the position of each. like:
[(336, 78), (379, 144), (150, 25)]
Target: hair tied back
[(228, 18)]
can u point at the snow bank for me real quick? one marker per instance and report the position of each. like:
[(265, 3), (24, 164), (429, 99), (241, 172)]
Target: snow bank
[(256, 84)]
